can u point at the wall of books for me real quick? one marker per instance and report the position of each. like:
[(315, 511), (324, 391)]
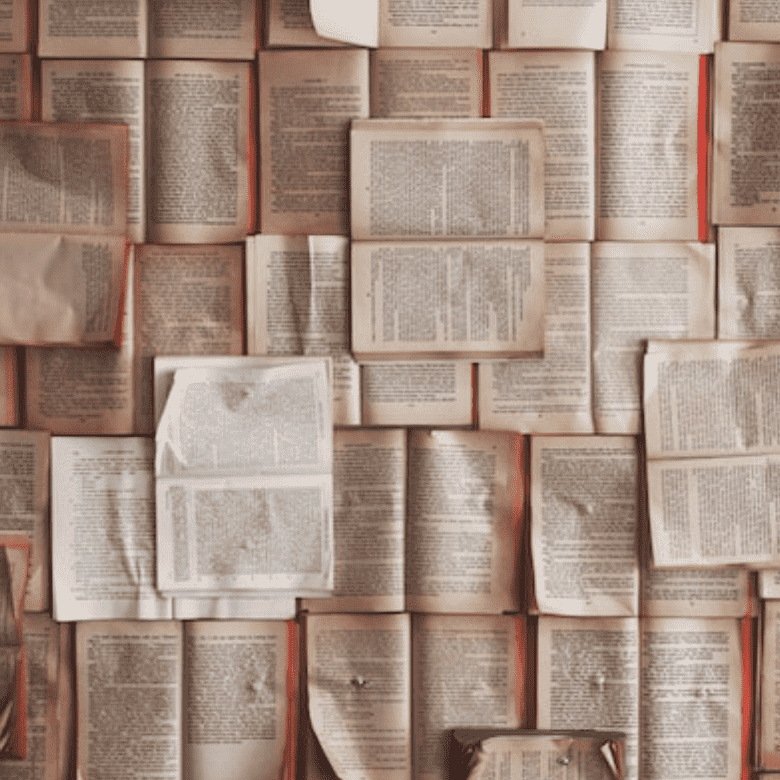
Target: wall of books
[(383, 377)]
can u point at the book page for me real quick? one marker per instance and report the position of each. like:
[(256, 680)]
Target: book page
[(768, 718), (206, 606), (9, 393), (464, 521), (84, 191), (426, 83), (647, 123), (24, 505), (686, 26), (550, 394), (467, 669), (61, 290), (702, 592), (103, 526), (15, 27), (464, 300), (639, 292), (72, 28), (101, 91), (558, 87), (236, 698), (188, 301), (484, 178), (418, 392), (85, 391), (753, 20), (203, 29), (711, 398), (588, 678), (468, 23), (199, 151), (16, 91), (307, 99), (289, 23), (360, 693), (745, 190), (537, 24), (369, 514), (748, 283), (584, 519), (129, 693), (769, 584), (348, 21), (691, 698), (253, 445), (715, 511), (298, 304)]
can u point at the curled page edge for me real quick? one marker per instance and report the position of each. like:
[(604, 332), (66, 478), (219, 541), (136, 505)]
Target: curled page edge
[(349, 21), (611, 754)]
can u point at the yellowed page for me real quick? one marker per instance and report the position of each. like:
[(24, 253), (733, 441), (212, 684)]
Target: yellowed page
[(188, 301), (462, 300), (768, 719), (199, 151), (715, 511), (85, 191), (468, 23), (304, 122), (298, 304), (558, 87), (15, 27), (203, 29), (369, 519), (360, 693), (550, 394), (85, 391), (688, 26), (748, 289), (426, 83), (484, 178), (753, 20), (418, 392), (639, 292), (71, 28), (16, 92), (465, 672), (289, 23), (588, 678), (24, 485), (236, 699), (129, 693), (9, 398), (103, 529), (464, 521), (61, 290), (103, 91), (646, 177), (711, 398), (557, 24), (691, 698), (745, 189), (584, 519), (711, 592)]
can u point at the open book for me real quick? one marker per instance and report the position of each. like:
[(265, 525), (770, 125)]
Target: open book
[(244, 481), (191, 150), (448, 543), (383, 690), (63, 225), (446, 222), (200, 700), (218, 29), (713, 452)]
